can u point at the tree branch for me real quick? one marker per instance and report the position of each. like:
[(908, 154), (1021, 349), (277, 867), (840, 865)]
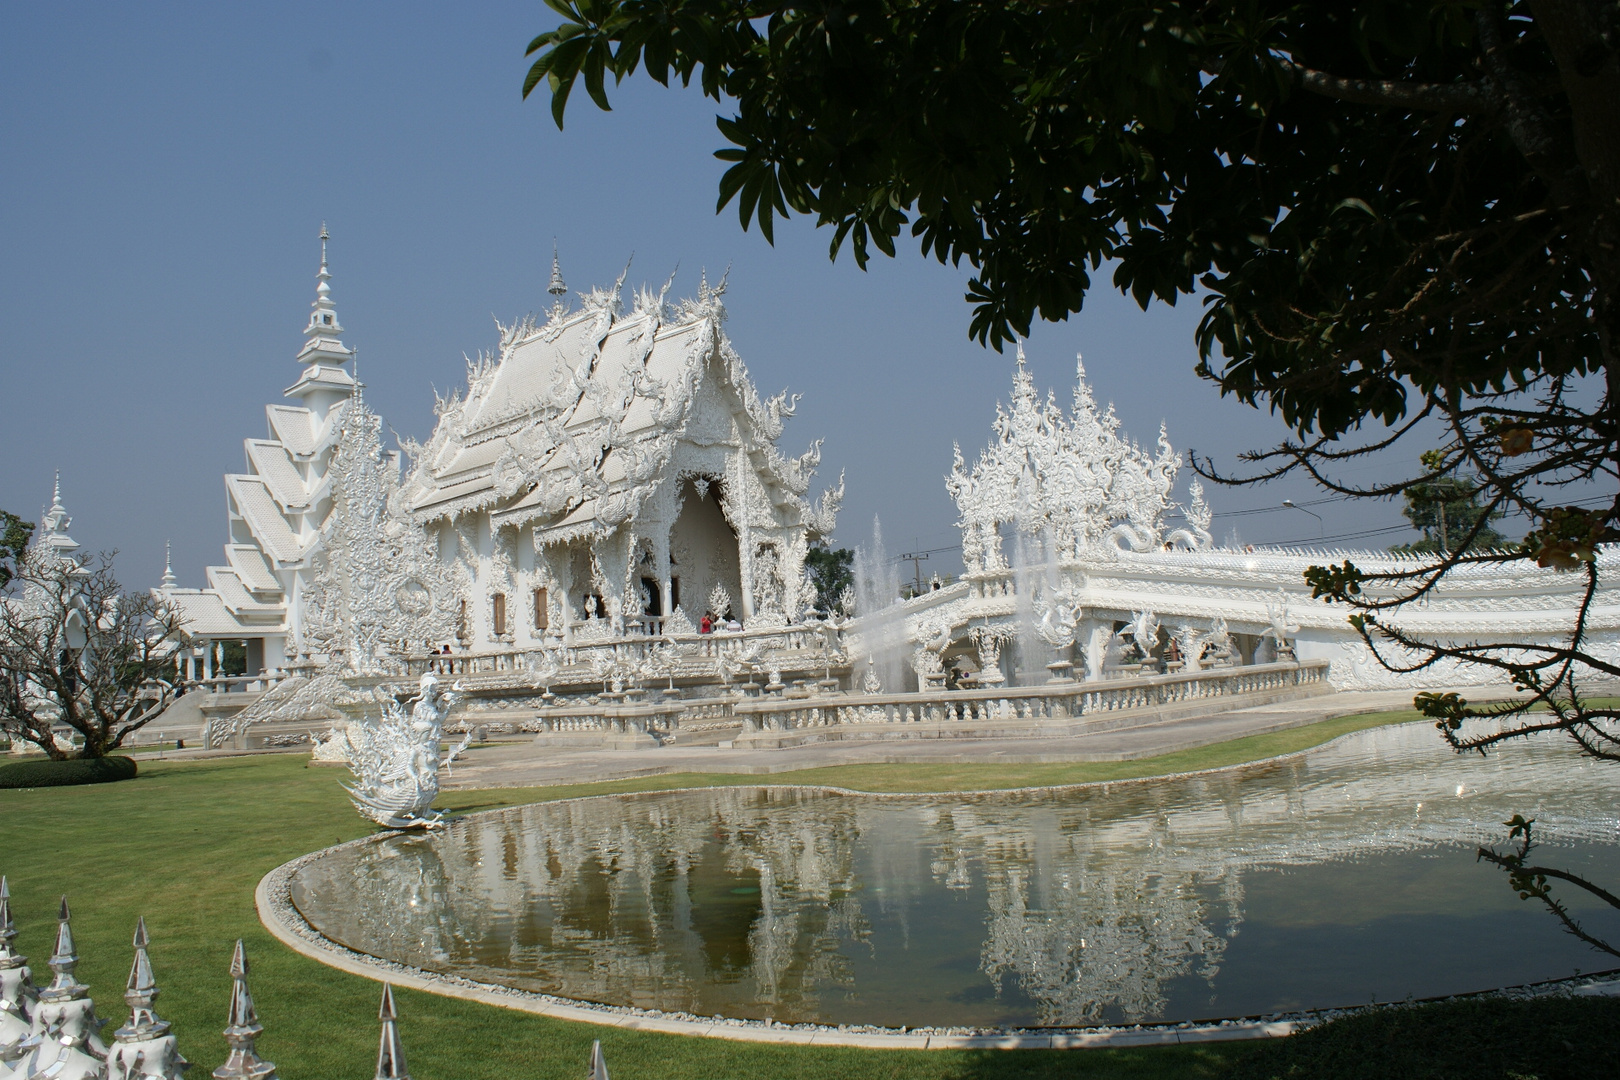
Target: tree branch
[(1475, 97)]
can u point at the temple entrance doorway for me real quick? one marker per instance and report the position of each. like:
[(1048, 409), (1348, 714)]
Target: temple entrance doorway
[(704, 546)]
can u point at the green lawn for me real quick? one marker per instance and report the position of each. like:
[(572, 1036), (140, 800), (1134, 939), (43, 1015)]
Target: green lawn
[(185, 843)]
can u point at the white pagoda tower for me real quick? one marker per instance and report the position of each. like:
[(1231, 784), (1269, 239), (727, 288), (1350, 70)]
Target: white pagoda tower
[(278, 505)]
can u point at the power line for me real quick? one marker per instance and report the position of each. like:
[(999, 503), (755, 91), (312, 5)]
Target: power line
[(1274, 509), (1341, 536)]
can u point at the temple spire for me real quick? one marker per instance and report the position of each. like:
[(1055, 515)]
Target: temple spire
[(140, 992), (56, 521), (64, 1043), (556, 288), (143, 1047), (243, 1028), (390, 1052), (8, 929), (323, 316), (169, 580), (322, 343)]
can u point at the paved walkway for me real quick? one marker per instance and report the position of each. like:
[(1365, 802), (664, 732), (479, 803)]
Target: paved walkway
[(526, 765)]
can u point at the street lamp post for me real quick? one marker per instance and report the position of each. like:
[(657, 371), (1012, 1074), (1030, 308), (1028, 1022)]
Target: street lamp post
[(1295, 506)]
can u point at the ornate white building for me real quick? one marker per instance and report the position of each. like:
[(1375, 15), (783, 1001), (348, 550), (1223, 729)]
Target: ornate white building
[(604, 472), (610, 472), (607, 468), (1104, 561)]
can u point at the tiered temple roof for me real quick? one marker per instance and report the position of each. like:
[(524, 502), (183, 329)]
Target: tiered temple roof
[(573, 424), (277, 506)]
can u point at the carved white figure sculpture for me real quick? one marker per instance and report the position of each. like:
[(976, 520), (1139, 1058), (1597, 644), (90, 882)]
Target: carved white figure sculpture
[(1144, 631), (396, 761), (543, 665), (1282, 628), (333, 746), (1219, 649), (1057, 606)]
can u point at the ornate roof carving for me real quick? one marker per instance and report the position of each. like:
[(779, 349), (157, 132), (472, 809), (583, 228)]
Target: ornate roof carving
[(573, 423), (1070, 480)]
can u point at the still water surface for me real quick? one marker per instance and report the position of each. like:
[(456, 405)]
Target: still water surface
[(1340, 877)]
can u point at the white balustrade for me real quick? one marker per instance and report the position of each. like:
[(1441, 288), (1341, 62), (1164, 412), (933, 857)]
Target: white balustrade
[(1052, 701)]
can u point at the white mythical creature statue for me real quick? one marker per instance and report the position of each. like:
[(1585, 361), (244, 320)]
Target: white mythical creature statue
[(396, 761), (1058, 606), (1282, 628), (1144, 630), (1219, 647)]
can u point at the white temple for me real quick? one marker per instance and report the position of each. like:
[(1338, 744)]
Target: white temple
[(606, 468), (605, 472), (608, 474)]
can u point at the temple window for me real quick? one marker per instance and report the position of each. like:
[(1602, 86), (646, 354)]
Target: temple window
[(497, 613), (541, 618)]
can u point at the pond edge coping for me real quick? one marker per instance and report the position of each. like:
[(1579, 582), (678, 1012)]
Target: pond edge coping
[(272, 898)]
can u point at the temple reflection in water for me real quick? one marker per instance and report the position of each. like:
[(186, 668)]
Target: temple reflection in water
[(1053, 908)]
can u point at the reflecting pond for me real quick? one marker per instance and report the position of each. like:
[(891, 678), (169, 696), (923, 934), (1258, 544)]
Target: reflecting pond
[(1339, 877)]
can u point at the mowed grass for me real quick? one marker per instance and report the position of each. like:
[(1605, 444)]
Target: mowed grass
[(186, 842)]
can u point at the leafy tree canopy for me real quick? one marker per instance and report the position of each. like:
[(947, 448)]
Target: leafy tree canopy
[(831, 571), (1378, 197), (1398, 212), (1448, 513), (14, 536)]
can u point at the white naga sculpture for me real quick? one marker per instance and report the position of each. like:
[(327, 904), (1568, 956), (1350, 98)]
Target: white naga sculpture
[(396, 761)]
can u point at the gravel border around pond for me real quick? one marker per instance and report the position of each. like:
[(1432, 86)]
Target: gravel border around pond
[(273, 900)]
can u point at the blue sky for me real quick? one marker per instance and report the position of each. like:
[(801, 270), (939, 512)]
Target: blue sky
[(164, 171)]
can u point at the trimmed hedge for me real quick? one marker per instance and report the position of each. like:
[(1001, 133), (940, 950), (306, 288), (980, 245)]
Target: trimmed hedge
[(47, 773)]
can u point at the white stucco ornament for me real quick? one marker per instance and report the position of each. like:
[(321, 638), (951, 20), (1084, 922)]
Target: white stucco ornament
[(396, 761)]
